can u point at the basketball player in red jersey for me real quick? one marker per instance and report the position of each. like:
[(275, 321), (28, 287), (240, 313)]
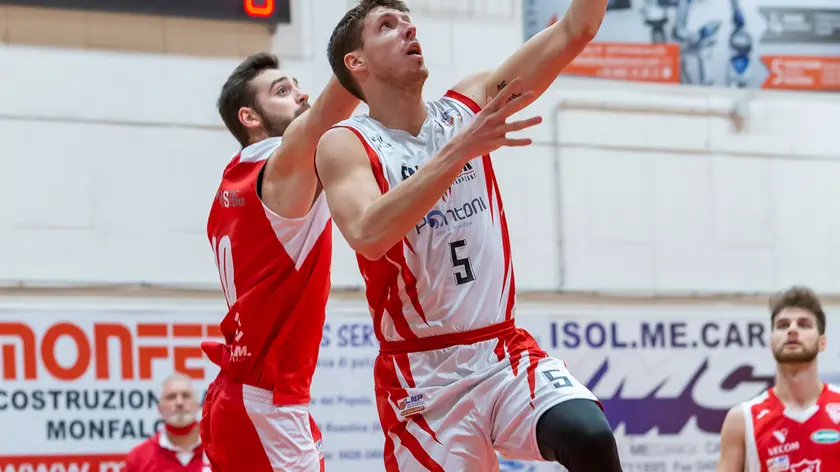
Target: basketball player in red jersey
[(413, 191), (795, 425), (270, 230)]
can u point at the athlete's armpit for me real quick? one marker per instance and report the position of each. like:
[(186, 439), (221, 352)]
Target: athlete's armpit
[(733, 442)]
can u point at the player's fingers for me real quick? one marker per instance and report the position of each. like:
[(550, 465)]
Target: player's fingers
[(517, 142), (517, 103), (504, 95), (522, 124)]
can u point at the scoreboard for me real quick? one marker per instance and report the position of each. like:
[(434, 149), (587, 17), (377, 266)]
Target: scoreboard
[(261, 11)]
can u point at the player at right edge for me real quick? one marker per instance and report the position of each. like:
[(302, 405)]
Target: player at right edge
[(793, 426)]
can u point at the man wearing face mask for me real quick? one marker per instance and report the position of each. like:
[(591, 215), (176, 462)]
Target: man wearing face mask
[(177, 447), (793, 426)]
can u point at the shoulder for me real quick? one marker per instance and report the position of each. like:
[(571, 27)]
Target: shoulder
[(260, 151), (340, 147), (734, 424), (339, 139), (143, 451)]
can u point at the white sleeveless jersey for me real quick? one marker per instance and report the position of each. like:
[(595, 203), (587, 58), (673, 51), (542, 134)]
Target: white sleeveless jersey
[(453, 271)]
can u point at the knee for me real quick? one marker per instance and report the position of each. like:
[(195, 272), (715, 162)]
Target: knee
[(577, 434)]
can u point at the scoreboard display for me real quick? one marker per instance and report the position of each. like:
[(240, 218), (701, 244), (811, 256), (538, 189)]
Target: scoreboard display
[(262, 11)]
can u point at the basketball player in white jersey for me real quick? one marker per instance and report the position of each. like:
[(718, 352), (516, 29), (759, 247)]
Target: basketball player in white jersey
[(793, 426), (412, 189), (269, 228)]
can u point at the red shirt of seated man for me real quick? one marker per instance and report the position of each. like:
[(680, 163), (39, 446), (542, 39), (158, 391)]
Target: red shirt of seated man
[(176, 448)]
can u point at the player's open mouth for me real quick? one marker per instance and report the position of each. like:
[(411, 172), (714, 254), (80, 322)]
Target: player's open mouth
[(414, 50)]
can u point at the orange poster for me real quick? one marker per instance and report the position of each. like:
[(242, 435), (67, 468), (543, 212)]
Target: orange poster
[(802, 72), (629, 61)]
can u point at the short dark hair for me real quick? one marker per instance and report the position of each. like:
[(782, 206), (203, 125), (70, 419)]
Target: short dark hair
[(237, 92), (347, 37), (798, 297)]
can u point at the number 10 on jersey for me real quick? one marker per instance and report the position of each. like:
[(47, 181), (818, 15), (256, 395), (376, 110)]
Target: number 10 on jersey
[(224, 262)]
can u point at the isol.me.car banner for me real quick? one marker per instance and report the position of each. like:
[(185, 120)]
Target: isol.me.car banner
[(80, 386), (772, 44)]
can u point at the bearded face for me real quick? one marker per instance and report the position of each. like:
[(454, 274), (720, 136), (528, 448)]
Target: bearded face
[(795, 338)]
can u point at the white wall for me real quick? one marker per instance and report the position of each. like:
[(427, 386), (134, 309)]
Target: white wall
[(603, 201)]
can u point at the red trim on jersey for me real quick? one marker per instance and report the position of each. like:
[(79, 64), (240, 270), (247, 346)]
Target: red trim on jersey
[(388, 392), (493, 183), (375, 165), (443, 341), (465, 100), (387, 294), (521, 341)]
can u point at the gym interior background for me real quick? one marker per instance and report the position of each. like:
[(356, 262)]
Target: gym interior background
[(687, 167)]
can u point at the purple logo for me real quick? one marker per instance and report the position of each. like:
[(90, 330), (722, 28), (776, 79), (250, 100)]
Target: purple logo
[(670, 415)]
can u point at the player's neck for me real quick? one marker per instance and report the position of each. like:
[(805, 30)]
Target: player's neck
[(397, 108), (798, 384), (183, 439)]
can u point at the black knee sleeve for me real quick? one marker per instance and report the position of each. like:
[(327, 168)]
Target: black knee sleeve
[(576, 434)]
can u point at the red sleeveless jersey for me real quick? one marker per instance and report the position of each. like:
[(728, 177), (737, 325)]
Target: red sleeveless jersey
[(781, 439), (275, 273)]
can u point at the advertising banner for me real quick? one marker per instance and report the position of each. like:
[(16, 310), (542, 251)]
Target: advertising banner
[(79, 387), (770, 44)]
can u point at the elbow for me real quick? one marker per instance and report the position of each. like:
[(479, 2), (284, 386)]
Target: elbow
[(586, 33), (367, 244), (583, 32)]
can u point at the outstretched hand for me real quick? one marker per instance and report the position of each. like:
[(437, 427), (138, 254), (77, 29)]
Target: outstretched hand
[(488, 132)]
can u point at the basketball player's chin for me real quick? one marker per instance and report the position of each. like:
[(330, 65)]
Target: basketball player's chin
[(789, 357)]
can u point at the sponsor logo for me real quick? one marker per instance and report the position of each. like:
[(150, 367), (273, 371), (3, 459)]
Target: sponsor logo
[(825, 436), (230, 198), (135, 347), (407, 171), (780, 435), (783, 449), (412, 405), (448, 116), (806, 466), (762, 414), (378, 141), (778, 464), (453, 218), (674, 411)]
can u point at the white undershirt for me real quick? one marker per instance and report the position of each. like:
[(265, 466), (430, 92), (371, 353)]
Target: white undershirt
[(184, 455)]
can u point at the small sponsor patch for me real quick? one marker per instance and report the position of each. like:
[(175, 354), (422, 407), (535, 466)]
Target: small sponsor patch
[(412, 405)]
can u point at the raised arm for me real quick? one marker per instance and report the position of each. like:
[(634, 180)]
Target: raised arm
[(372, 220), (543, 57), (289, 183), (732, 442), (301, 137)]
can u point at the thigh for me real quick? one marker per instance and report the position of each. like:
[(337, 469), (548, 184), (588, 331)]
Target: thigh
[(524, 397), (430, 428), (285, 432), (244, 431), (227, 434)]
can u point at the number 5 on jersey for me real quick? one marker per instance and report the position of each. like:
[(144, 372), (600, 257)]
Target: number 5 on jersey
[(464, 272), (224, 262)]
